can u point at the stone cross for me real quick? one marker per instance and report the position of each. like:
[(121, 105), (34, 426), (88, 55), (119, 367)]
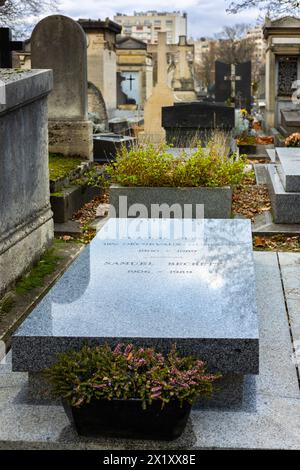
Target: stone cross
[(233, 78), (162, 66), (161, 97), (7, 46)]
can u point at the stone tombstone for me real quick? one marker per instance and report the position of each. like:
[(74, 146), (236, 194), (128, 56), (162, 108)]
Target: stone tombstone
[(98, 112), (282, 76), (162, 96), (180, 58), (185, 123), (26, 224), (283, 180), (59, 43), (233, 82), (179, 281), (222, 87), (290, 121)]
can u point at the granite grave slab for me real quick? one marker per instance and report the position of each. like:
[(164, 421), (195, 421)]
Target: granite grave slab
[(269, 418), (283, 181), (155, 282), (106, 146), (233, 82), (289, 168)]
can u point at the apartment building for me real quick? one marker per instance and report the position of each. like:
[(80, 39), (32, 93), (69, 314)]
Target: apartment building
[(256, 34), (146, 25)]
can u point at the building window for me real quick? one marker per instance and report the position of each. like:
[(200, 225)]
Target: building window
[(287, 74)]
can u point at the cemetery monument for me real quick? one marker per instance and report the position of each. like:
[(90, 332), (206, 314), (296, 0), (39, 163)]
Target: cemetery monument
[(184, 281), (282, 71), (162, 96), (233, 83), (26, 225), (59, 43)]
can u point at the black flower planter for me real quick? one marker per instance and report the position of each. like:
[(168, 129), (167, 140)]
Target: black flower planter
[(127, 419), (247, 149)]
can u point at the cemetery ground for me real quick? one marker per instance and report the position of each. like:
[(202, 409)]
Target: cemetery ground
[(250, 200), (220, 283), (267, 418)]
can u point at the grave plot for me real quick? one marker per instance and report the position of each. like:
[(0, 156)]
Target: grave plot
[(155, 282), (73, 183), (284, 186)]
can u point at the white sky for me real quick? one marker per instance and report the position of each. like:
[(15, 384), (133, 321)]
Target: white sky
[(205, 17)]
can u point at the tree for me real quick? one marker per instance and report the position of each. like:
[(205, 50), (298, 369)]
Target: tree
[(205, 70), (270, 7), (15, 13), (234, 45)]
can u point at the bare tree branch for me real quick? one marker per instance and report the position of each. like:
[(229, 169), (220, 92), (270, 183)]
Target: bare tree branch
[(19, 14), (234, 46), (272, 8), (205, 71)]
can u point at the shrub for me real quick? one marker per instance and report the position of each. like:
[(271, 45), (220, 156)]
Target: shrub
[(246, 140), (293, 140), (155, 166), (126, 373)]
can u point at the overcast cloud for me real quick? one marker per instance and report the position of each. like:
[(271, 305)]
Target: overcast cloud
[(205, 17)]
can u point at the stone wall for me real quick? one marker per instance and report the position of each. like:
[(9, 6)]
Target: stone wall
[(26, 225)]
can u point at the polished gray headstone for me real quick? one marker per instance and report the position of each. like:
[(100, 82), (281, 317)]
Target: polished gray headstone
[(268, 420), (289, 168), (153, 282), (285, 205)]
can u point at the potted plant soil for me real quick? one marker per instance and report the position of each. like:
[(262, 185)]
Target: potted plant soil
[(151, 177), (129, 392)]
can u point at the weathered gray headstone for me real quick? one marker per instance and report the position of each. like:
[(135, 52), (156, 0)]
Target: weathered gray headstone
[(59, 43), (26, 225)]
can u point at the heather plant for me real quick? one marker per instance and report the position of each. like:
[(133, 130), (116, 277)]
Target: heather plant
[(127, 372), (154, 166)]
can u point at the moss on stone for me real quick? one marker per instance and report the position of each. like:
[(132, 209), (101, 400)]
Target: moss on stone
[(35, 277), (60, 166)]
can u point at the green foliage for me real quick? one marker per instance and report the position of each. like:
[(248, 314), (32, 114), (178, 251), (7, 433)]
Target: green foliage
[(6, 304), (93, 177), (154, 166), (126, 373), (246, 140), (60, 166), (35, 277)]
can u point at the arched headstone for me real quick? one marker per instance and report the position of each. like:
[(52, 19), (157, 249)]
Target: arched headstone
[(96, 105), (59, 43)]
